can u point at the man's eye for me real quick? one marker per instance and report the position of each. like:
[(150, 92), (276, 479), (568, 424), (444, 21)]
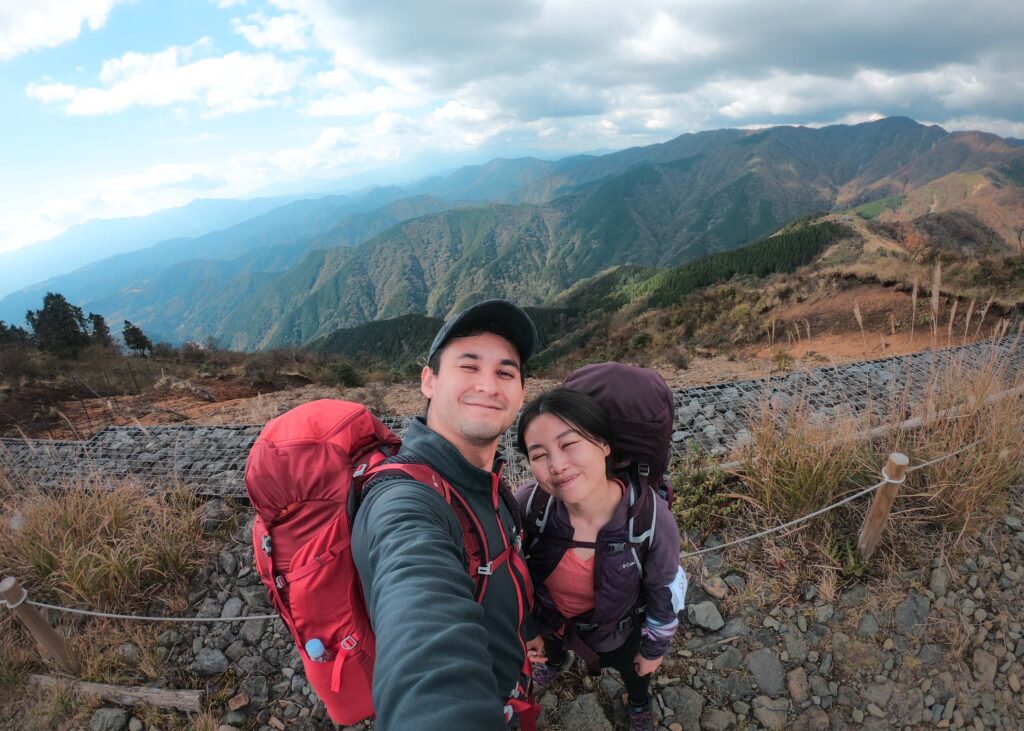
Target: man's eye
[(506, 374)]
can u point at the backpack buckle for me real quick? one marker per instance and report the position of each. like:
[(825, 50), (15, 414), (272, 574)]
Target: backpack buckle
[(485, 569), (586, 626), (360, 470), (279, 581), (349, 643), (265, 543), (643, 469), (614, 548)]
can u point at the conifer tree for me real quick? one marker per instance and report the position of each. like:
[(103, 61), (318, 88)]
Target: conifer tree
[(59, 327), (136, 340), (100, 334)]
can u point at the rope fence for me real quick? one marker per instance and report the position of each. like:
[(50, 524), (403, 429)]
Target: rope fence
[(15, 597)]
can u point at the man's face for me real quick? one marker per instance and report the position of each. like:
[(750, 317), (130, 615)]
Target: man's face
[(477, 390)]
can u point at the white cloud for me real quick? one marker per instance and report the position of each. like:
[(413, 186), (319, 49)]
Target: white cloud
[(159, 186), (289, 32), (220, 85), (27, 26)]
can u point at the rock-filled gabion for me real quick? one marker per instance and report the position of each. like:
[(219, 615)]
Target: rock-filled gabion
[(714, 417)]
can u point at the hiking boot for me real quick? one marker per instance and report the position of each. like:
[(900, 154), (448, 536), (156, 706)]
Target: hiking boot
[(641, 718), (545, 674)]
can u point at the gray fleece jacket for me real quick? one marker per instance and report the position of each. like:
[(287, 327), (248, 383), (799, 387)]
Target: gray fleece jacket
[(444, 661)]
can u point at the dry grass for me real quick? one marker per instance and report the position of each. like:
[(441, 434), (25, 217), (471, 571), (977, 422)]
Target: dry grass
[(105, 546), (980, 415), (795, 463)]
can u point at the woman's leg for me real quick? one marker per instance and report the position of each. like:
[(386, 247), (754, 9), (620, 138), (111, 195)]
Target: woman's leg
[(555, 651), (621, 658)]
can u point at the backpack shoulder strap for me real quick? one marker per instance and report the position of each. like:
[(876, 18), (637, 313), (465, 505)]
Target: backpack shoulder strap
[(538, 510), (643, 511), (473, 537)]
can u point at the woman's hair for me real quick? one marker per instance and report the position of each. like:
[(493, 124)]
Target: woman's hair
[(576, 409)]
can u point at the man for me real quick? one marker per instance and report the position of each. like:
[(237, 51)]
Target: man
[(445, 661)]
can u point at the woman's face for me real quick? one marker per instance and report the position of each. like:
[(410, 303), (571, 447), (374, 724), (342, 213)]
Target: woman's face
[(564, 462)]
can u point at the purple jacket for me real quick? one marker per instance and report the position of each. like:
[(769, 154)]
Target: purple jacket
[(623, 581)]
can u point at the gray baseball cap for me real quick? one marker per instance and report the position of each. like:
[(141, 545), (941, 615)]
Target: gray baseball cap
[(516, 324)]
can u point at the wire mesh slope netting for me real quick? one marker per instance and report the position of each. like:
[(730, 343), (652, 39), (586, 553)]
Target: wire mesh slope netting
[(211, 459)]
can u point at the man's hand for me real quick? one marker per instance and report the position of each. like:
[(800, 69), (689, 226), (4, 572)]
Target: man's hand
[(644, 666), (535, 650)]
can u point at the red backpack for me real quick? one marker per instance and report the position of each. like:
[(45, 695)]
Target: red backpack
[(304, 477)]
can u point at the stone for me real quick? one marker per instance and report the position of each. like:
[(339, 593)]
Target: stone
[(798, 685), (714, 719), (912, 614), (773, 713), (135, 724), (728, 660), (108, 719), (854, 596), (686, 704), (584, 714), (879, 693), (716, 587), (823, 613), (705, 615), (252, 630), (906, 706), (238, 701), (868, 625), (209, 662), (130, 653), (984, 665), (796, 646), (939, 583), (232, 608), (813, 719), (764, 665), (228, 563)]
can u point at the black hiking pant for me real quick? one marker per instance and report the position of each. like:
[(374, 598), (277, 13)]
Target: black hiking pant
[(621, 658)]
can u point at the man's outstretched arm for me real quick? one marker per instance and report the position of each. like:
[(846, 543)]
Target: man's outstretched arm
[(433, 668)]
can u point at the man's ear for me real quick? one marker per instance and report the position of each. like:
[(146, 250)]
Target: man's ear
[(427, 382)]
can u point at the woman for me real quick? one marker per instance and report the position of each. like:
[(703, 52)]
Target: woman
[(600, 590)]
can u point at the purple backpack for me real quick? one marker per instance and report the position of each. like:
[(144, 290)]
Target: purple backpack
[(641, 409)]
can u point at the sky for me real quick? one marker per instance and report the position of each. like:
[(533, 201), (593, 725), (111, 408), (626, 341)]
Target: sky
[(115, 108)]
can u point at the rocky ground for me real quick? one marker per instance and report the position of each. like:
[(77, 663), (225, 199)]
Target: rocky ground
[(946, 651)]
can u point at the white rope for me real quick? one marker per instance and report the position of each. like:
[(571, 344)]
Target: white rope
[(833, 506), (769, 531), (790, 524), (106, 615)]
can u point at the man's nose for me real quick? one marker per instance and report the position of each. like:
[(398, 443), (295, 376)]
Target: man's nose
[(486, 382)]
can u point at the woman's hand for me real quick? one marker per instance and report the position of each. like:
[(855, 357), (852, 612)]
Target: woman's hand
[(535, 650), (644, 666)]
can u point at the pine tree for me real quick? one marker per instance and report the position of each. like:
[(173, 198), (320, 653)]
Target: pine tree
[(100, 334), (59, 327), (12, 335), (136, 340)]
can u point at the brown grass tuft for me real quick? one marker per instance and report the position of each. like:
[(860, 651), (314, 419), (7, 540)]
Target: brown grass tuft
[(110, 546)]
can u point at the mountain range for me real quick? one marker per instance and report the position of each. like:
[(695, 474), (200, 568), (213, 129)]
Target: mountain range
[(529, 229)]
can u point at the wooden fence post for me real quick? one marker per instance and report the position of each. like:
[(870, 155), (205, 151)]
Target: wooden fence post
[(13, 595), (881, 505)]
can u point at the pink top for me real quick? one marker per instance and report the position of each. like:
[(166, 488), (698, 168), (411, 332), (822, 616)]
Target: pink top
[(571, 585)]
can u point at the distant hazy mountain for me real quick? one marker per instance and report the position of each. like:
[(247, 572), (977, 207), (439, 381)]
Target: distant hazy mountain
[(98, 239), (269, 242)]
